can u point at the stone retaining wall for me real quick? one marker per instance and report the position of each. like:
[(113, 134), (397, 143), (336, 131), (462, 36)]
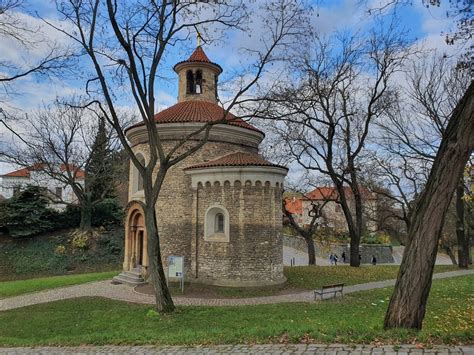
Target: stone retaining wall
[(382, 252)]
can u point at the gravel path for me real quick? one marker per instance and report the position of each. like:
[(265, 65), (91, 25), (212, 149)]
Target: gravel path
[(126, 293), (334, 349)]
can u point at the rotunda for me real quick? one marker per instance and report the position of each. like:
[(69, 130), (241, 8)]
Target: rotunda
[(220, 208)]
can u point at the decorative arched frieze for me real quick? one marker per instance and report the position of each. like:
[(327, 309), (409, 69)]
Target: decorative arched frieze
[(238, 175)]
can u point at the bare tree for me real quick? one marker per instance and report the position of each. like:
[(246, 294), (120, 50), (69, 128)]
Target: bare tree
[(63, 142), (460, 12), (13, 26), (325, 116), (126, 43), (408, 302), (412, 132), (307, 230)]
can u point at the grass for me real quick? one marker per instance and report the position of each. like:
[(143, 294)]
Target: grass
[(357, 318), (15, 288), (54, 254), (311, 277), (299, 278)]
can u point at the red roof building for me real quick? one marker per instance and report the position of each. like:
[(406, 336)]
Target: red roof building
[(220, 207)]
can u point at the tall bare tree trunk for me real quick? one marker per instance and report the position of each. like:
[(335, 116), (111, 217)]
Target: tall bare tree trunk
[(86, 214), (354, 252), (450, 253), (461, 235), (311, 251), (164, 302), (408, 302)]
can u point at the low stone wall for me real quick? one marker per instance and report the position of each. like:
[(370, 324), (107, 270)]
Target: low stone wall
[(382, 252)]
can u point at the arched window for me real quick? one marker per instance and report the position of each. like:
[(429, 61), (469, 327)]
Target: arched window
[(215, 85), (198, 82), (137, 179), (216, 224), (219, 223), (191, 87)]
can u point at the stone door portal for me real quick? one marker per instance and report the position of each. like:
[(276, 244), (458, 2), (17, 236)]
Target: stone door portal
[(135, 239)]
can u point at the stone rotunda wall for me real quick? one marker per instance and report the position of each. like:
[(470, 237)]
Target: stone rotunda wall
[(224, 219), (253, 255), (175, 202)]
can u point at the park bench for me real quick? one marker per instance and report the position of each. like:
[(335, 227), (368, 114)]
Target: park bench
[(329, 290)]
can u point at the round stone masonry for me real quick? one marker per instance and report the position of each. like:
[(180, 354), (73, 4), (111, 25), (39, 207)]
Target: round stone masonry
[(221, 207)]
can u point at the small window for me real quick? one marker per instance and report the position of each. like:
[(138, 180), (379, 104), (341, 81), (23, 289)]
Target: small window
[(140, 182), (219, 223), (337, 208), (215, 85), (216, 224), (137, 179), (198, 82), (59, 192), (191, 88)]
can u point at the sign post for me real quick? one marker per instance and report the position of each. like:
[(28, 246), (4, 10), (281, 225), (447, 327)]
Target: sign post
[(176, 269)]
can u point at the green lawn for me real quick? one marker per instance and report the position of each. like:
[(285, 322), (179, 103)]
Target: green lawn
[(311, 277), (300, 277), (15, 288), (357, 318)]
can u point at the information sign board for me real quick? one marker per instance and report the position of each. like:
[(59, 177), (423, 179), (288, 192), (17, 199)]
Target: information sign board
[(176, 269)]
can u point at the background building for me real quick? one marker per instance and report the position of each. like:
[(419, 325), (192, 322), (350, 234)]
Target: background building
[(17, 180), (333, 216)]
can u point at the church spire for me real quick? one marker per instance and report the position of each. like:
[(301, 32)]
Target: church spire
[(198, 77)]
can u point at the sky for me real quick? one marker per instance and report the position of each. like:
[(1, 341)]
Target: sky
[(423, 25)]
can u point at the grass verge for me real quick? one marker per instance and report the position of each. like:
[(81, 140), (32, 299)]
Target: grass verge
[(311, 277), (15, 288), (357, 318)]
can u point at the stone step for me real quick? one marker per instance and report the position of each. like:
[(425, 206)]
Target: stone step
[(123, 280), (130, 278), (134, 272)]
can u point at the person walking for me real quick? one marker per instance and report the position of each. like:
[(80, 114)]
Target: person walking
[(343, 256), (335, 259), (331, 259)]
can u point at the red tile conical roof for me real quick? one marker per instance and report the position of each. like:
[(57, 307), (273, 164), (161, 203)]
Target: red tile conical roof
[(198, 111), (236, 159), (199, 56)]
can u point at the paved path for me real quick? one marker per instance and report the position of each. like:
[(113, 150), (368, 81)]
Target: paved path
[(126, 293), (300, 258), (336, 349), (441, 258)]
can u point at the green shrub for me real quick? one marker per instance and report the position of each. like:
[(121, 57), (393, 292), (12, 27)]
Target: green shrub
[(375, 239), (27, 213), (107, 212), (53, 254), (69, 218)]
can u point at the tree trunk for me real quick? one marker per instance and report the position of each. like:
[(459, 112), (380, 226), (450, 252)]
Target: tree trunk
[(86, 214), (311, 251), (462, 238), (450, 253), (408, 302), (164, 302), (355, 243)]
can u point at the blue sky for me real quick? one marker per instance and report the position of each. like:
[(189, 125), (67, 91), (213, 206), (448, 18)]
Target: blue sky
[(424, 25)]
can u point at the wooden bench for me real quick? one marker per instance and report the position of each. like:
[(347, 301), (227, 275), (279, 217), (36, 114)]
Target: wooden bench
[(329, 289)]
